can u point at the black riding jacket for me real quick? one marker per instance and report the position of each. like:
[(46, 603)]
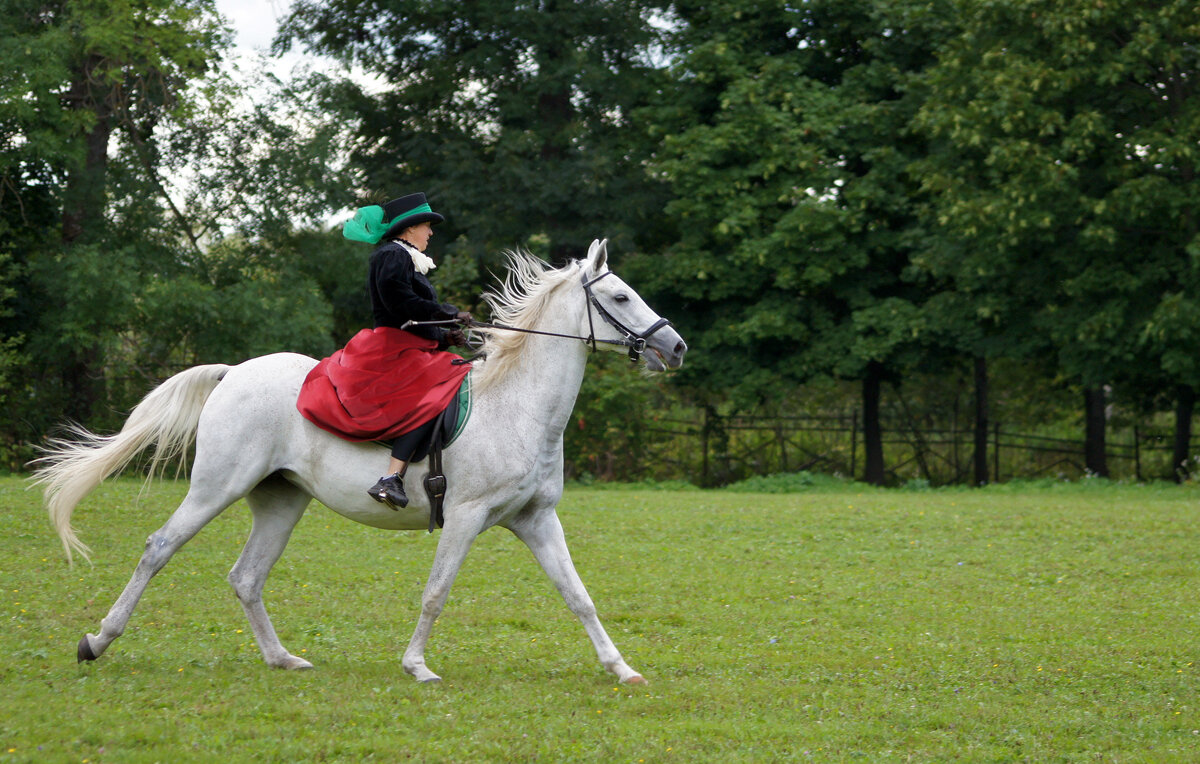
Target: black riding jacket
[(399, 294)]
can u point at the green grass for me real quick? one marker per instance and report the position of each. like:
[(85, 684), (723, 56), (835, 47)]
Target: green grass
[(1018, 623)]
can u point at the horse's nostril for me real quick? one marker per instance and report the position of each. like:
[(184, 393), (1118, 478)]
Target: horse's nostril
[(681, 348)]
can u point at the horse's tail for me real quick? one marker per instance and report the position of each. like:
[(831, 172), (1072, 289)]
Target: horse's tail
[(167, 417)]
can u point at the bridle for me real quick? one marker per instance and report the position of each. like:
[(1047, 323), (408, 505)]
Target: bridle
[(634, 340)]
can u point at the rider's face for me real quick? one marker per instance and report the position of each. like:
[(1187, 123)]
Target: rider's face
[(418, 235)]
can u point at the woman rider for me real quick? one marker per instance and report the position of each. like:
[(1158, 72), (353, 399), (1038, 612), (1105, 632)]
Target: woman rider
[(389, 382)]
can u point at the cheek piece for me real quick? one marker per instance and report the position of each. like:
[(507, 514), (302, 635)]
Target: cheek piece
[(636, 341)]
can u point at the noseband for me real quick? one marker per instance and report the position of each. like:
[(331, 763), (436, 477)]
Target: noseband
[(635, 341)]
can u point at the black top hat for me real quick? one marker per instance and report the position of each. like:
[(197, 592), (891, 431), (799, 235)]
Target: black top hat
[(407, 211)]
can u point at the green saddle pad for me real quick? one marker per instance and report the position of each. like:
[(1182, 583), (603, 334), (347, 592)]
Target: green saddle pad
[(463, 400)]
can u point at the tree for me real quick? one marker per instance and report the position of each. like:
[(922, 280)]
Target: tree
[(1070, 132), (515, 118), (787, 147), (80, 74), (146, 210)]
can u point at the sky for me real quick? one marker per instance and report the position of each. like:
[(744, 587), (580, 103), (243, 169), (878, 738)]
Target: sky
[(254, 21), (254, 24)]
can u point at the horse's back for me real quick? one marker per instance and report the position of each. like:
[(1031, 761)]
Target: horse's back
[(274, 377), (276, 368), (251, 415)]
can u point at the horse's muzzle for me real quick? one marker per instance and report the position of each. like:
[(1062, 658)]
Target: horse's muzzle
[(665, 350)]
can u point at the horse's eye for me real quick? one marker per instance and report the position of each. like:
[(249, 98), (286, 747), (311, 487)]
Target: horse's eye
[(622, 298)]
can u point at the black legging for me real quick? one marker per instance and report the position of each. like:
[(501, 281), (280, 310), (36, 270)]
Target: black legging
[(414, 443)]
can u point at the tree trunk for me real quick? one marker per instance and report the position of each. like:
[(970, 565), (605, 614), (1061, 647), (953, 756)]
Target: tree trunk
[(1094, 447), (1185, 406), (872, 432), (83, 197), (981, 421), (82, 223)]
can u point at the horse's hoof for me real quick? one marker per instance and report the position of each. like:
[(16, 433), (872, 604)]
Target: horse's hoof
[(637, 679), (288, 662), (84, 651), (421, 673)]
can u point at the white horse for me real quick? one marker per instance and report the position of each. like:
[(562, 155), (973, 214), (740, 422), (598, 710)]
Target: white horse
[(506, 467)]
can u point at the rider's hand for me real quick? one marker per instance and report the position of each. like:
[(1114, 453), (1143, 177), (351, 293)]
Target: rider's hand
[(456, 337), (463, 317)]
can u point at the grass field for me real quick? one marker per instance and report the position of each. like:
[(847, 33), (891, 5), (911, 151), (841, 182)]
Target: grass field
[(1019, 623)]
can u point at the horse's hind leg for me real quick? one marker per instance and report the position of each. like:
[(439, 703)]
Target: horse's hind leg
[(277, 506), (543, 534), (199, 507)]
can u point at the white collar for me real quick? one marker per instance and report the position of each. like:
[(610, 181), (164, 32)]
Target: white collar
[(421, 261)]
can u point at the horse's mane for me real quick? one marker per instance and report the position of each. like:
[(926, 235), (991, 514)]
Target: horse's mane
[(520, 301)]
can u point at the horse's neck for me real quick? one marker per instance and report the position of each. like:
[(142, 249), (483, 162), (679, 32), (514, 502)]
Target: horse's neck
[(544, 382)]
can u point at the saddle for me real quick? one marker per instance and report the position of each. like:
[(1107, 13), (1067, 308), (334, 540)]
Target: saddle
[(447, 426)]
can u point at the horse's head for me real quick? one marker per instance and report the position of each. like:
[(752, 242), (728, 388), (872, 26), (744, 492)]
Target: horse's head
[(617, 312)]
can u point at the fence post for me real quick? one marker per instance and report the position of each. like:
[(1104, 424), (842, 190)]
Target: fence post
[(996, 454), (1137, 453), (853, 444), (780, 433), (954, 439)]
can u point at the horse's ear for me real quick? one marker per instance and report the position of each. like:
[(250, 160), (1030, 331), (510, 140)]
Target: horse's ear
[(597, 255)]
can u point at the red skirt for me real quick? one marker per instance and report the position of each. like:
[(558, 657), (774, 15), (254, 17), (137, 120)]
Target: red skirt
[(384, 383)]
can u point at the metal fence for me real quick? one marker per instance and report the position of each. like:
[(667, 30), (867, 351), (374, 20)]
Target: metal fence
[(710, 449)]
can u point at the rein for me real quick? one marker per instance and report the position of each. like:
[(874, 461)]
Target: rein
[(635, 341)]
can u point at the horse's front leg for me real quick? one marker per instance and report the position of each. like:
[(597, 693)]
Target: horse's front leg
[(543, 534), (462, 526)]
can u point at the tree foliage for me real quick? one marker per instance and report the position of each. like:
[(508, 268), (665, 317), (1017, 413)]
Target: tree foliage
[(856, 191), (787, 151), (514, 117), (1064, 193), (119, 261), (1071, 135), (787, 147)]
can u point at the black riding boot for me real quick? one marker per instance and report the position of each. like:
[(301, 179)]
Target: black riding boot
[(390, 490)]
